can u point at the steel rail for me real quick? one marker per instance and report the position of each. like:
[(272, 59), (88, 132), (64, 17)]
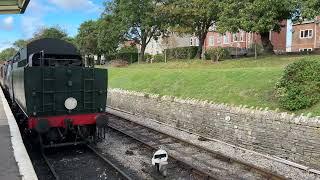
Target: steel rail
[(206, 174), (109, 162), (259, 169), (53, 172)]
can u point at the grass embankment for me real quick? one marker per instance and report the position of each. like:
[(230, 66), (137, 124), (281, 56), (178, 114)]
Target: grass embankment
[(241, 82)]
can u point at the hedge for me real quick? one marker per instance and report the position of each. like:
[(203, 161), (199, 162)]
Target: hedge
[(182, 52), (129, 57)]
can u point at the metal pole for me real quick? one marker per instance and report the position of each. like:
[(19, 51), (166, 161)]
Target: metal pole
[(165, 55)]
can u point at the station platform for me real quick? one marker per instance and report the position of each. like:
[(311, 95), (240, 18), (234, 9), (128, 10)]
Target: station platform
[(15, 163)]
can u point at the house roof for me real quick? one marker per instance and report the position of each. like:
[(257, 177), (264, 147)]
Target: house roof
[(304, 22), (13, 6)]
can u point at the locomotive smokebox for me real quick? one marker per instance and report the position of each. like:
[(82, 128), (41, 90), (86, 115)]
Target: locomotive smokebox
[(102, 121), (42, 126)]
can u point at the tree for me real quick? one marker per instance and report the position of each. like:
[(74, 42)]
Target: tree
[(19, 44), (309, 8), (50, 32), (141, 20), (193, 17), (108, 34), (258, 16), (87, 39), (7, 53), (70, 40)]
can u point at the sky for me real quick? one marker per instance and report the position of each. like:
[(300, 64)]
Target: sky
[(68, 14)]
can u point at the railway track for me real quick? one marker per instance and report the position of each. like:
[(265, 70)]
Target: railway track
[(82, 163), (211, 165)]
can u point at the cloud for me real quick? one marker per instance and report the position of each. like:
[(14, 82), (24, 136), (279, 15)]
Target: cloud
[(5, 44), (32, 20), (30, 25), (86, 5), (7, 23)]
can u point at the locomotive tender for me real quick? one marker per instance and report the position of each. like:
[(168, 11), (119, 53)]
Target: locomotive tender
[(60, 100)]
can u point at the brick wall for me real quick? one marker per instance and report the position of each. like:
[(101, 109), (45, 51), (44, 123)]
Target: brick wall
[(218, 40), (278, 39), (293, 138), (297, 42)]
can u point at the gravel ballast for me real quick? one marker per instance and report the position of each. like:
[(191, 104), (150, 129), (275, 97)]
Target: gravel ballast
[(136, 158), (273, 164)]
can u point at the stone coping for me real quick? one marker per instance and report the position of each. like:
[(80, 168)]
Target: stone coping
[(242, 109)]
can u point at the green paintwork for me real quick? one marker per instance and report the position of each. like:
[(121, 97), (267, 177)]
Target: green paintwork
[(42, 91)]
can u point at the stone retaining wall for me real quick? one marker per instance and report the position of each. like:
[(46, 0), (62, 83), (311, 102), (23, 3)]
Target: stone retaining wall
[(296, 138)]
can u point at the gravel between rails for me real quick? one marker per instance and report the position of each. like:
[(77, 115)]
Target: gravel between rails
[(79, 162), (135, 156)]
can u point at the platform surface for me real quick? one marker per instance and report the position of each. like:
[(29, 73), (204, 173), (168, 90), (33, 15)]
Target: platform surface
[(8, 165), (15, 162)]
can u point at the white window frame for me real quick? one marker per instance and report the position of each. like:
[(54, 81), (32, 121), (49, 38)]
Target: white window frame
[(197, 42), (226, 39), (211, 41), (302, 32), (241, 38), (219, 39), (235, 37), (305, 49)]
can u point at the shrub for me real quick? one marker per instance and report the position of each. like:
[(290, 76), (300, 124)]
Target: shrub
[(207, 56), (299, 86), (252, 48), (158, 58), (218, 53), (129, 57), (182, 52), (118, 63), (147, 57), (128, 49)]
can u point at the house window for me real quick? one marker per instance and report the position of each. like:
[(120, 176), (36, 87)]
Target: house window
[(306, 33), (225, 39), (241, 36), (197, 42), (211, 40), (191, 42), (219, 39), (235, 37), (305, 49)]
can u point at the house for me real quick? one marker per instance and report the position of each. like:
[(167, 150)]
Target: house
[(244, 39), (293, 37), (172, 40), (305, 35)]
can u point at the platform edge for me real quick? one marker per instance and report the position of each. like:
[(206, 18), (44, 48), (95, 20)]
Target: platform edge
[(21, 156)]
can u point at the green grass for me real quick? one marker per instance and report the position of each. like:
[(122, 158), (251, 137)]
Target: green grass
[(241, 82)]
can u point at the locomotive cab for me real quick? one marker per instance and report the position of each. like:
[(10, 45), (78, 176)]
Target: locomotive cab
[(53, 60)]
